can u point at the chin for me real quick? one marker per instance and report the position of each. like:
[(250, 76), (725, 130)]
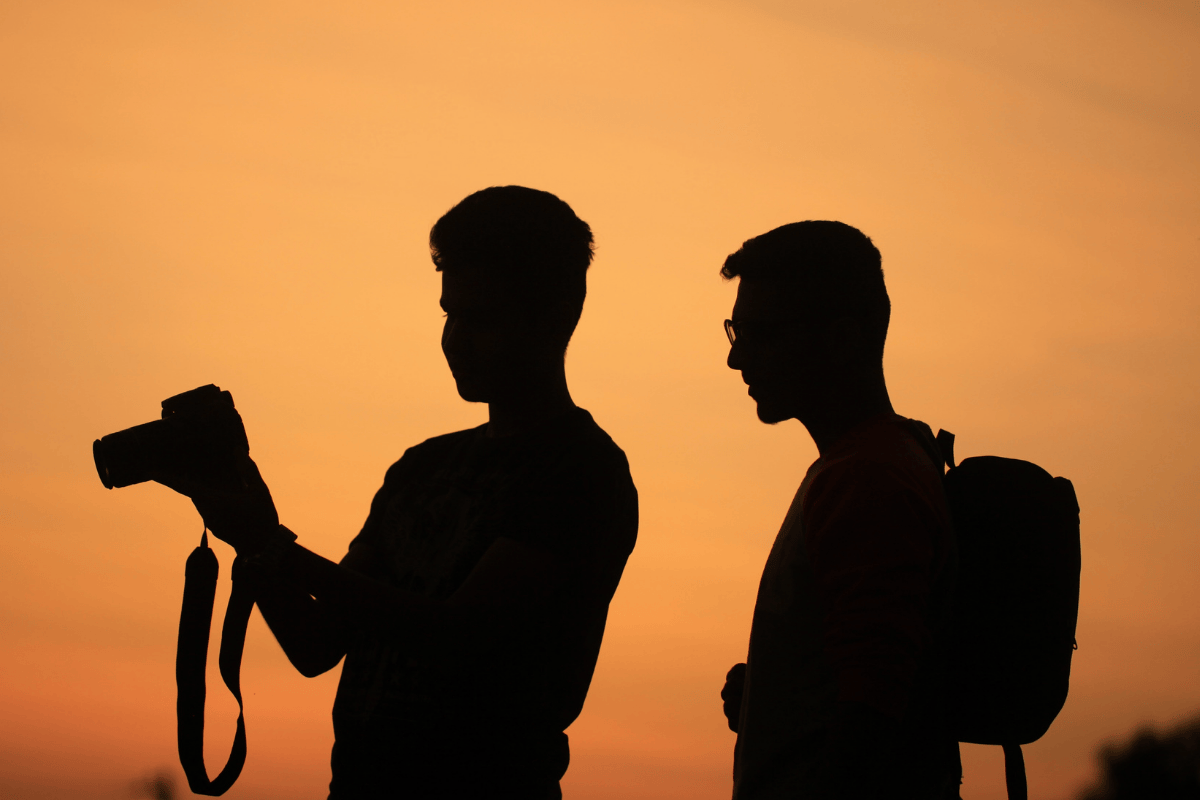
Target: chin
[(771, 413), (470, 392)]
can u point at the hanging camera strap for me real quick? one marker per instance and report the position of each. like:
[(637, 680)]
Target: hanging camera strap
[(195, 620)]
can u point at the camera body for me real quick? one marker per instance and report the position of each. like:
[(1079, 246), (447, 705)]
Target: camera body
[(200, 437)]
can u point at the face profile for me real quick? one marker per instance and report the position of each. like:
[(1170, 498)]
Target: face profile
[(768, 346), (513, 264), (480, 339), (808, 326)]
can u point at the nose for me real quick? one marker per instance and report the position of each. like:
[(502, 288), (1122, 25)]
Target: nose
[(451, 338), (735, 359)]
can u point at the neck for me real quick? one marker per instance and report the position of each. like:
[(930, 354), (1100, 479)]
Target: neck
[(531, 405), (841, 411)]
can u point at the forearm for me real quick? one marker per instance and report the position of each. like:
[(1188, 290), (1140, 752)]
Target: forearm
[(339, 602), (359, 602), (313, 638)]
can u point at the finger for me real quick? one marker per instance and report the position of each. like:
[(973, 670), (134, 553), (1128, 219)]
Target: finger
[(181, 483), (733, 715)]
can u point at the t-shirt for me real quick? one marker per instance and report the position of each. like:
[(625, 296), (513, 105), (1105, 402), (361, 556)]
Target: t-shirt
[(851, 605), (485, 708)]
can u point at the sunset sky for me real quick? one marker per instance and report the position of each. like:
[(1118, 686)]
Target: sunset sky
[(241, 193)]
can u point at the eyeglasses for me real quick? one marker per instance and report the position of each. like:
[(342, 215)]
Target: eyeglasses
[(747, 331)]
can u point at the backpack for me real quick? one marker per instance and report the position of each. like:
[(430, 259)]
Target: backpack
[(1012, 634)]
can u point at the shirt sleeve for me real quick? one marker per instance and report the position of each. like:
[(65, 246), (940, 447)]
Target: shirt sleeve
[(583, 510), (871, 539), (393, 479)]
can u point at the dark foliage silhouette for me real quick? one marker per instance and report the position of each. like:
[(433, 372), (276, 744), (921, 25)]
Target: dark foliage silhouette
[(1150, 765), (160, 786)]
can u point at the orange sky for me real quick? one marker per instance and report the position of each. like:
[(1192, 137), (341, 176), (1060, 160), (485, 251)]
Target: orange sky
[(241, 194)]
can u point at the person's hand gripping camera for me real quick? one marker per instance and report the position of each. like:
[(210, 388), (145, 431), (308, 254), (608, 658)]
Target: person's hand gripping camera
[(199, 449)]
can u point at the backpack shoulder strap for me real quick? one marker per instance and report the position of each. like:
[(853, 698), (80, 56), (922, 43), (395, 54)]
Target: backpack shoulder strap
[(931, 445), (945, 443), (1014, 773)]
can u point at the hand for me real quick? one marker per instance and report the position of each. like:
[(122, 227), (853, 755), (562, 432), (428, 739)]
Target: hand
[(245, 517), (735, 686)]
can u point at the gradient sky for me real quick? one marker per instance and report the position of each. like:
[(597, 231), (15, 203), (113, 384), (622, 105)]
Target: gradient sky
[(241, 194)]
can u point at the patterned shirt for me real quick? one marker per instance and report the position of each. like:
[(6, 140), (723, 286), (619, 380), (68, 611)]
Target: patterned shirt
[(506, 689)]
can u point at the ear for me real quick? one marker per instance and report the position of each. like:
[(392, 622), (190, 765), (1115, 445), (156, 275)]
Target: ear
[(557, 322), (844, 341)]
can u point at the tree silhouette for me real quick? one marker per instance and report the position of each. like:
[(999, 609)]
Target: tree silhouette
[(160, 786), (1151, 765)]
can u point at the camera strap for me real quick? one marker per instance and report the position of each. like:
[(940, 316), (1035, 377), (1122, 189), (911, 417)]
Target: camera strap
[(195, 620)]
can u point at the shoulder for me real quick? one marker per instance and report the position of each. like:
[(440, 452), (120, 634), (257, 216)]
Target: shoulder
[(877, 476), (884, 452), (436, 446), (580, 450), (430, 452), (582, 496), (594, 443), (419, 460)]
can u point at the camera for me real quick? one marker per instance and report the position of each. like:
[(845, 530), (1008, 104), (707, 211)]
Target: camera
[(200, 438)]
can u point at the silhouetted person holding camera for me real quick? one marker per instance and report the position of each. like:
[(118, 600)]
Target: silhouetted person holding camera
[(838, 698), (471, 606)]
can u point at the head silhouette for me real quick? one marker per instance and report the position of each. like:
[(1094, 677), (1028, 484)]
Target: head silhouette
[(514, 267), (810, 320)]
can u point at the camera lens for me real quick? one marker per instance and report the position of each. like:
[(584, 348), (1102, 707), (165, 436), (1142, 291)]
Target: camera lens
[(101, 464)]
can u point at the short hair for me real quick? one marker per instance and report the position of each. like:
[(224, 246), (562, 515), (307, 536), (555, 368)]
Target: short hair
[(834, 269), (531, 237)]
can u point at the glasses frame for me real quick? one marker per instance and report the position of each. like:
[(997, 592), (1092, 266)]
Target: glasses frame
[(731, 332), (748, 331)]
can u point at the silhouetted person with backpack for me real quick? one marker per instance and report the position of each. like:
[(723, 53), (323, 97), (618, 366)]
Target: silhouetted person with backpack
[(471, 606), (839, 695)]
